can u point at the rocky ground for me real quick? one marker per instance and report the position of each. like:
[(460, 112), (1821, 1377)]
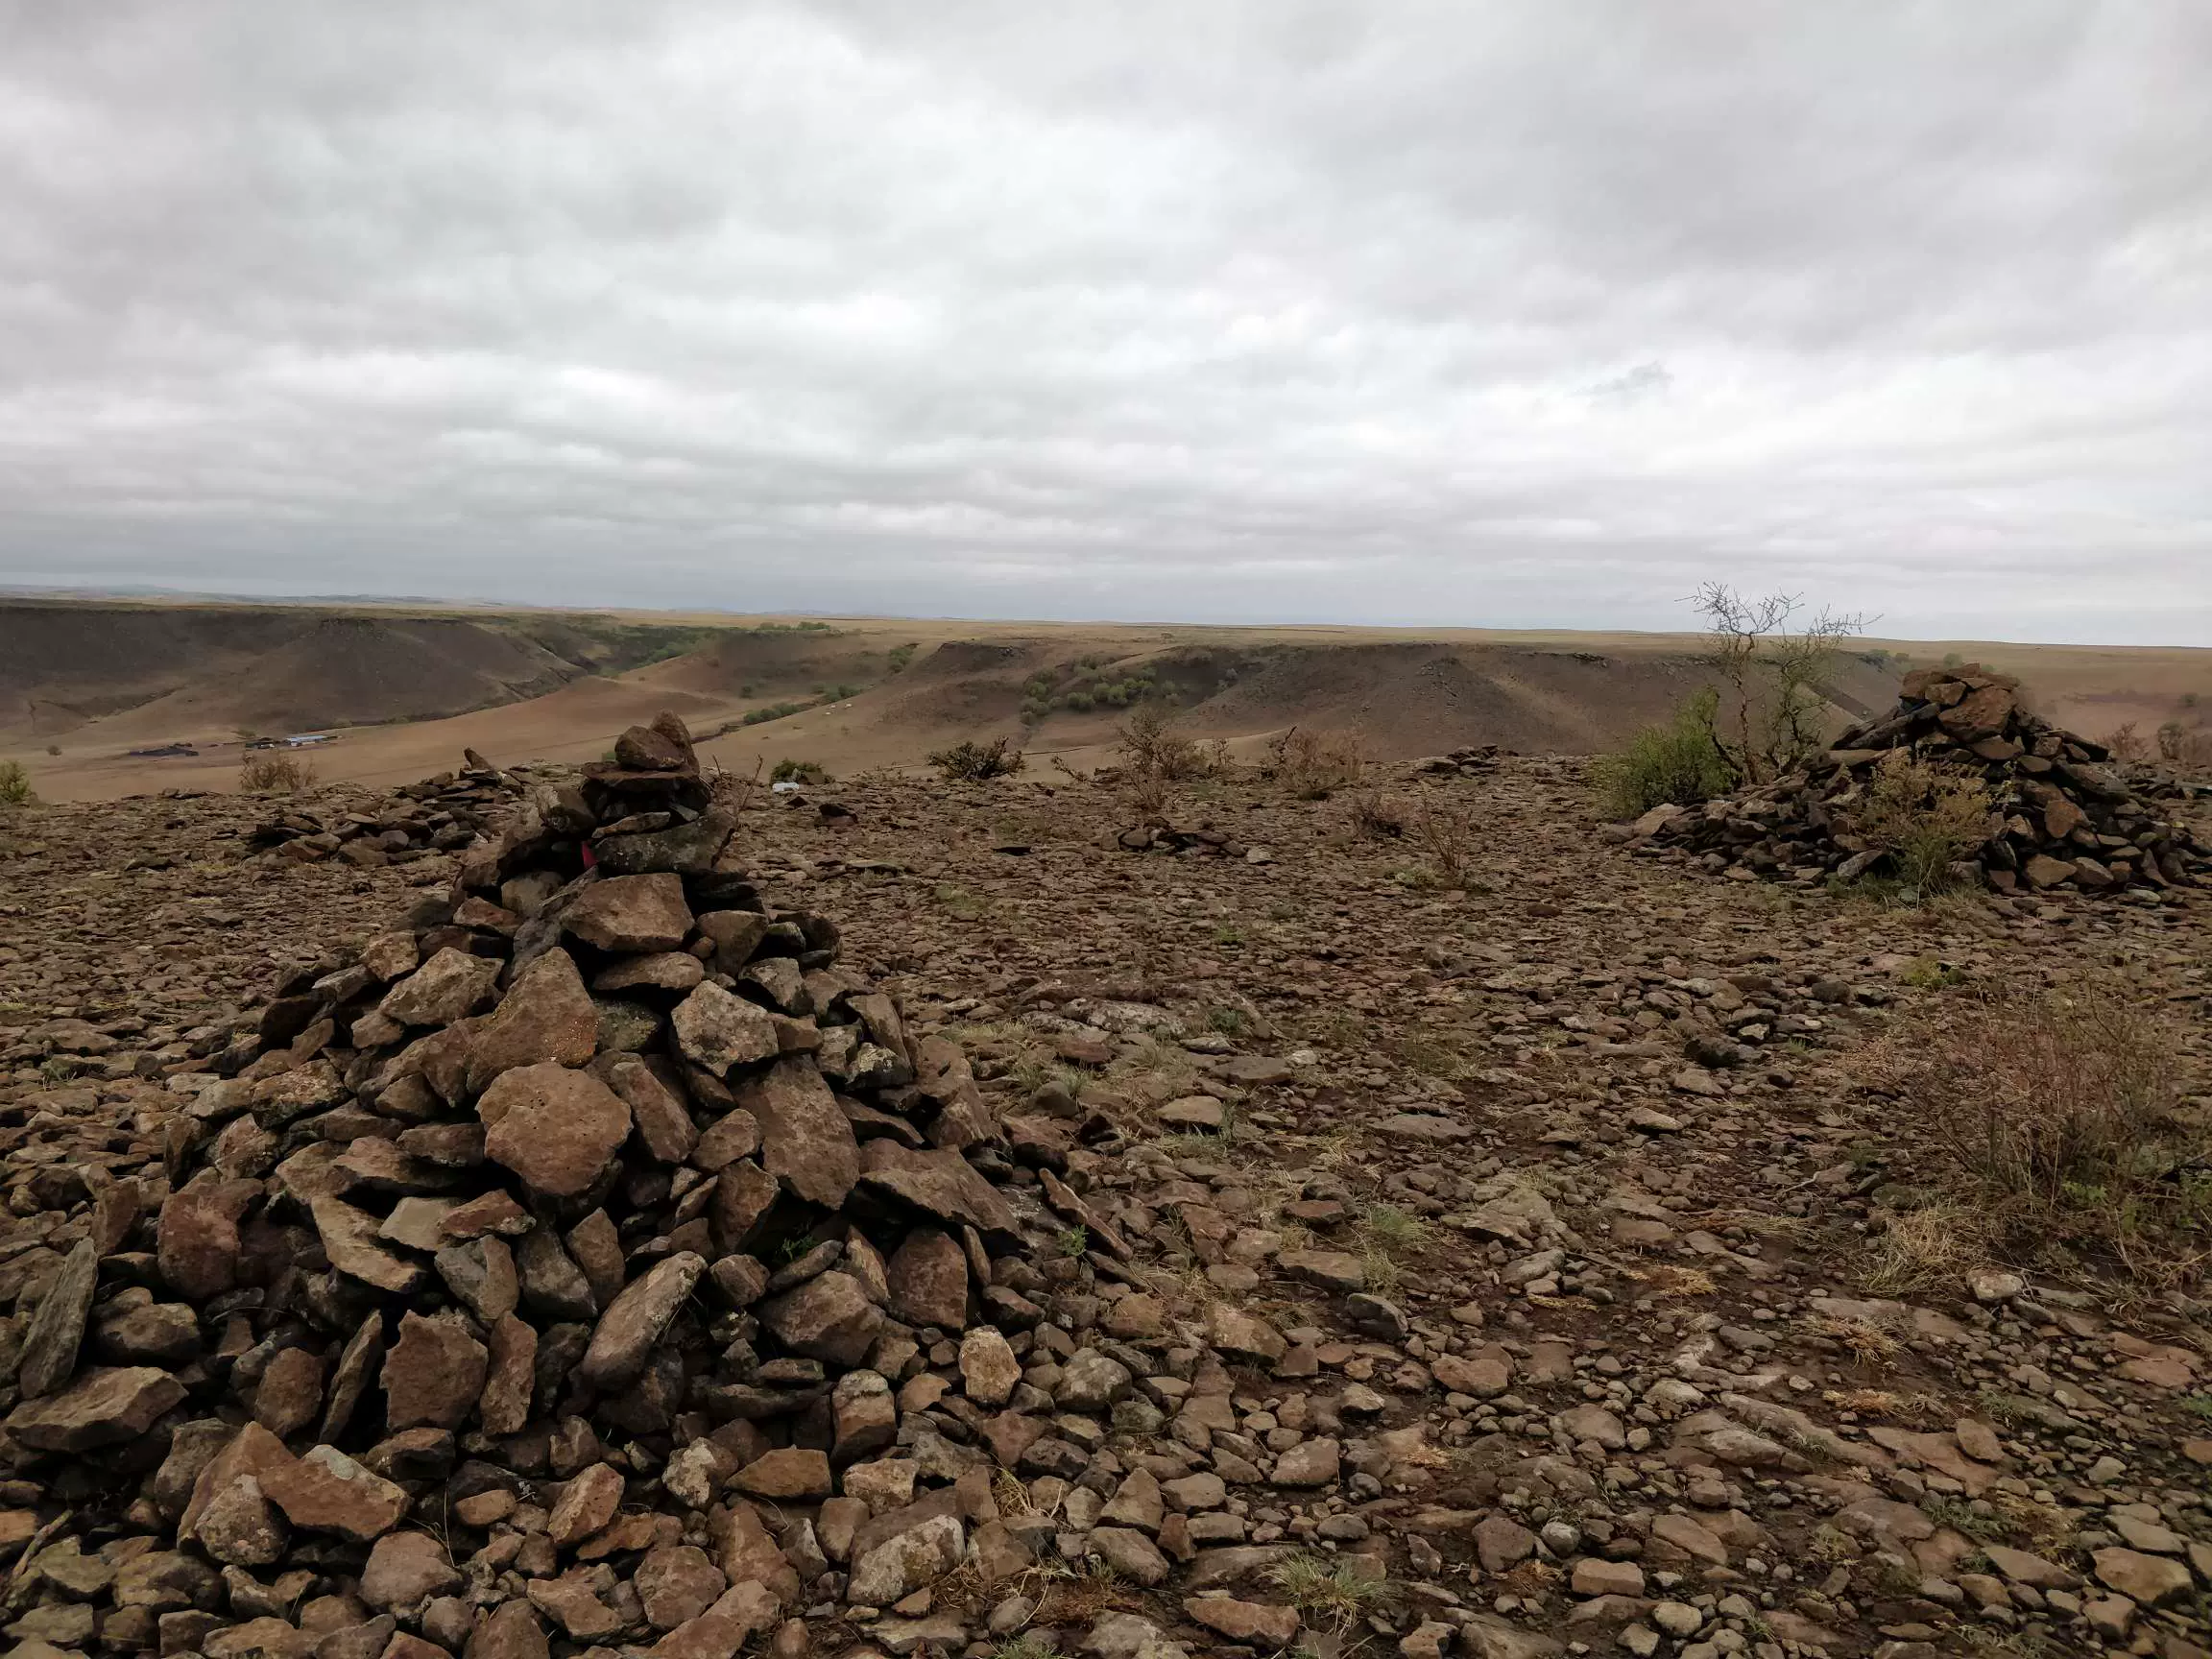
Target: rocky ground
[(1482, 1254)]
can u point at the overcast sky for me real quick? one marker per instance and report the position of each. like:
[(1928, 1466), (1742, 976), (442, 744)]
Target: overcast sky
[(1484, 314)]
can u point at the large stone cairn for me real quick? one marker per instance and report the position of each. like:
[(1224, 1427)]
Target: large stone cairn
[(593, 1256), (2062, 817)]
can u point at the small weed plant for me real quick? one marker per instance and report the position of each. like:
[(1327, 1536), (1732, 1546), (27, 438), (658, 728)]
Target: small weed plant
[(1335, 1593), (16, 784)]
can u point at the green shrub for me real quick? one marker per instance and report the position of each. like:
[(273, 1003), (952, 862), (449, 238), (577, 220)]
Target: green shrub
[(902, 655), (1925, 816), (798, 772), (969, 760), (1677, 762), (14, 784)]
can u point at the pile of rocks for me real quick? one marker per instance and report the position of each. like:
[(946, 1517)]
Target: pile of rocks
[(1159, 835), (441, 814), (1463, 762), (2061, 817), (594, 1252)]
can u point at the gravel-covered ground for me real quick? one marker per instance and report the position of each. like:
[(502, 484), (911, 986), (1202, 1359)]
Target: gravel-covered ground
[(1558, 1174)]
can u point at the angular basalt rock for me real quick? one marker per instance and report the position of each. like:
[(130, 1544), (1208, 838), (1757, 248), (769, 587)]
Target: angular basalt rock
[(101, 1408), (805, 1140), (633, 914), (546, 1015), (554, 1127)]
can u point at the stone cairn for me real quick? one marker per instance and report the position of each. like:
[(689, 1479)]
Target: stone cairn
[(594, 1255), (440, 814), (2061, 818)]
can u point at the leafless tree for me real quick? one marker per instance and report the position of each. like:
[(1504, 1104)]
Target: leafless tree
[(1772, 669)]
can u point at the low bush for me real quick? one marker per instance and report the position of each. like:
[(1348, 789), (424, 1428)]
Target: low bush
[(14, 784), (1312, 765), (1679, 763), (1151, 747), (1925, 816), (788, 771), (2186, 748), (1377, 817), (969, 761), (2062, 1113), (275, 774)]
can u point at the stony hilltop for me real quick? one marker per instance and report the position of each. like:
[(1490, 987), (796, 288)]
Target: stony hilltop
[(558, 1211)]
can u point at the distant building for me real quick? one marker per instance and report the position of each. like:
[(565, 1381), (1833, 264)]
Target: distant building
[(297, 740)]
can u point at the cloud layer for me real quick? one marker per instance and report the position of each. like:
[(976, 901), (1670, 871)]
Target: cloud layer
[(1281, 311)]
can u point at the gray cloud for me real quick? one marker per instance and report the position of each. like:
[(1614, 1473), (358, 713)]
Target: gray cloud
[(1285, 309)]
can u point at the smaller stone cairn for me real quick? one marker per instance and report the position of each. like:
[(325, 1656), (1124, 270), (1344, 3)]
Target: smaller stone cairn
[(592, 1264), (2062, 816), (440, 814)]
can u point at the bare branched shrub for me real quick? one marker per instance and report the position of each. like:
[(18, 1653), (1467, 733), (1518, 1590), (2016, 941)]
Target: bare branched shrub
[(2061, 1110), (1925, 816), (1313, 765), (1774, 672), (1377, 817), (2127, 743), (1445, 832), (1150, 746), (2185, 748), (734, 792), (969, 761), (1149, 794), (275, 774)]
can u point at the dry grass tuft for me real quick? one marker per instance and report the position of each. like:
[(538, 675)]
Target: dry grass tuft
[(1385, 1236), (1667, 1280), (1922, 1411), (1334, 1592), (2061, 1113), (275, 774), (1066, 1597), (1868, 1344), (1927, 1249)]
